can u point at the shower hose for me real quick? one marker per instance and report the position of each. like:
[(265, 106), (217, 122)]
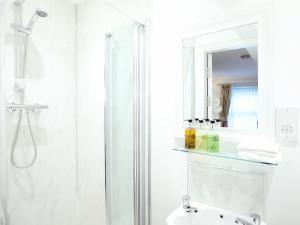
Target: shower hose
[(15, 139)]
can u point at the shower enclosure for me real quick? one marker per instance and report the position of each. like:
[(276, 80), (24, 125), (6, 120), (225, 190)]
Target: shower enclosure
[(71, 152), (127, 127)]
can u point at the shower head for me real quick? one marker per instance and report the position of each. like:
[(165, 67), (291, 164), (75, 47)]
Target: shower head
[(18, 2), (41, 13), (38, 13), (27, 30)]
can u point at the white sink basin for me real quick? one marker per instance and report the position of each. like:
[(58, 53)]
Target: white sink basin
[(206, 215)]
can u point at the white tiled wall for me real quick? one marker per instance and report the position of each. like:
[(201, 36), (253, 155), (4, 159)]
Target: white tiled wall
[(46, 192)]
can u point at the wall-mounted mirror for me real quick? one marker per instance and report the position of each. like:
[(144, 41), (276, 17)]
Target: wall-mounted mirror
[(220, 77)]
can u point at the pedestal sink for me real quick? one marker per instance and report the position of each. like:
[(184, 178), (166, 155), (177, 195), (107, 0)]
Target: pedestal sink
[(207, 215)]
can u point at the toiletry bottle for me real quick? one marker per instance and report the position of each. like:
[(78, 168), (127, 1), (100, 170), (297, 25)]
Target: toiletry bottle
[(206, 123), (196, 123), (203, 136), (218, 123), (190, 136), (213, 139), (199, 124)]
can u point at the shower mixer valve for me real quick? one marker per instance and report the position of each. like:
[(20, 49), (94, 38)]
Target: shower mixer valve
[(19, 87)]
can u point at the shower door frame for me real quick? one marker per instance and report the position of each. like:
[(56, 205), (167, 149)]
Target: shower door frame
[(142, 125)]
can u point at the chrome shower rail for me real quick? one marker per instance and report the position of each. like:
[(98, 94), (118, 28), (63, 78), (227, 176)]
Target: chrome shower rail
[(33, 107)]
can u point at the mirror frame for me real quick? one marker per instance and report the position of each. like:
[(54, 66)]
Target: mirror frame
[(264, 124)]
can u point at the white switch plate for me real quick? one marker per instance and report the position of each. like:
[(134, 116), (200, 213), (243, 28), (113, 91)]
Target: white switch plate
[(287, 124)]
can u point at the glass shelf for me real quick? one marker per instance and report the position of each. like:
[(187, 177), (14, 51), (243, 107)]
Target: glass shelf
[(225, 155)]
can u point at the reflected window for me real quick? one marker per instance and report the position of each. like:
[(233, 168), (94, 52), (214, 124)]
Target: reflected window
[(243, 112)]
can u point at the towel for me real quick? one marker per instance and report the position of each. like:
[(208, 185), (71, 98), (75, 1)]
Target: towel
[(259, 149), (255, 157), (259, 146)]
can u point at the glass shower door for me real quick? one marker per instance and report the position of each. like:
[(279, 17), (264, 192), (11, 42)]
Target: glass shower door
[(125, 127), (120, 115)]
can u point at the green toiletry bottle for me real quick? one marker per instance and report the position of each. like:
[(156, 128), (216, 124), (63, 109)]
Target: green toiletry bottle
[(213, 142), (204, 136)]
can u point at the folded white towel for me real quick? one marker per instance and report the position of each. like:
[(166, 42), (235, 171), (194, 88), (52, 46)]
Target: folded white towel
[(259, 149), (261, 154), (260, 158), (258, 145)]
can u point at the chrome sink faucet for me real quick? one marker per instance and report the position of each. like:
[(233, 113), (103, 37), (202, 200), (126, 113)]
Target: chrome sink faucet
[(256, 220), (241, 221), (186, 205)]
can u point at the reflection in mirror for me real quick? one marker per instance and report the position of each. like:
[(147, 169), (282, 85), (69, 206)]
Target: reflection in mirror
[(220, 77), (234, 87)]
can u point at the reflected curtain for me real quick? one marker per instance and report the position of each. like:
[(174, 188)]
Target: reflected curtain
[(225, 98)]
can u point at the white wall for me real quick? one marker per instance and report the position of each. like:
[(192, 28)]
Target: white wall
[(280, 37), (3, 174), (284, 198), (168, 183), (46, 192), (90, 83)]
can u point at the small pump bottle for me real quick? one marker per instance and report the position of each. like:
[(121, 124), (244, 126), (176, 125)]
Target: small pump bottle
[(213, 142), (196, 123), (199, 133), (206, 123), (190, 136), (218, 123), (203, 136)]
